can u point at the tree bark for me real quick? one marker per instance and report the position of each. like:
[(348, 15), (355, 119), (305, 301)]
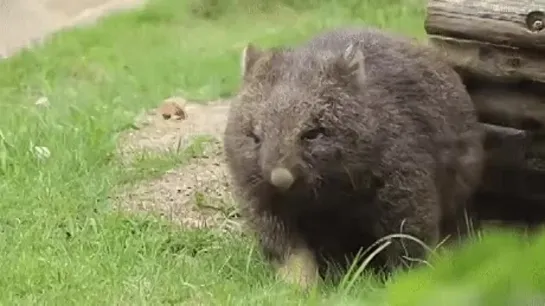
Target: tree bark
[(513, 23), (500, 63), (510, 106)]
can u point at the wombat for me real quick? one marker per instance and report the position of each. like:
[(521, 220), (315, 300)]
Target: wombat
[(350, 137)]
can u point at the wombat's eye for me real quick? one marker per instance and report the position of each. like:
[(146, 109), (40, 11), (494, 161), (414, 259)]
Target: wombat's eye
[(313, 133), (254, 137)]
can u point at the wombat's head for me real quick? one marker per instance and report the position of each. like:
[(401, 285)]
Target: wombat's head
[(298, 119)]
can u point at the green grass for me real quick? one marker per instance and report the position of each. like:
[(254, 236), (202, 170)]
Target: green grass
[(63, 243)]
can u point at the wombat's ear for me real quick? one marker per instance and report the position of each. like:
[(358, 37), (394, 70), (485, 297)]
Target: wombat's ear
[(250, 55), (352, 62)]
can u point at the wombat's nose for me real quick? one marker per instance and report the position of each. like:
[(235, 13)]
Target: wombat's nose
[(282, 178)]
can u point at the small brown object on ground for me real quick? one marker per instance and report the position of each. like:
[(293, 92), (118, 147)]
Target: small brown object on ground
[(174, 108)]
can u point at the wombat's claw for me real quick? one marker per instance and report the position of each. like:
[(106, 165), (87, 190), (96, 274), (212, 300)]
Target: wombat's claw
[(299, 269)]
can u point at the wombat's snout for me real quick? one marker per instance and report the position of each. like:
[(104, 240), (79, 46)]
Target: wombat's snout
[(282, 178)]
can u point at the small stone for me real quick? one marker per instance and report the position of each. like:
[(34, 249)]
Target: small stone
[(42, 101), (173, 108), (42, 152)]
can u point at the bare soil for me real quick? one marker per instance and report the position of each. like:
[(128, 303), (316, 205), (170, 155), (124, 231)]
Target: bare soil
[(195, 194)]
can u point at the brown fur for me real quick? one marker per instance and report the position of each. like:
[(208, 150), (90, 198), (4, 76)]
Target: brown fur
[(379, 136)]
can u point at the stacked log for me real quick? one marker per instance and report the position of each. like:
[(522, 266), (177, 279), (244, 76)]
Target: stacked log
[(498, 48)]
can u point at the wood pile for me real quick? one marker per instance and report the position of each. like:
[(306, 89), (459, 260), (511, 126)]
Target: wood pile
[(498, 48)]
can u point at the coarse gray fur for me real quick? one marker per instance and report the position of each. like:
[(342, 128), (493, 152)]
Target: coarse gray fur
[(378, 135)]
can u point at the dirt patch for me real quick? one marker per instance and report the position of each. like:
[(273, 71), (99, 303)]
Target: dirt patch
[(195, 194)]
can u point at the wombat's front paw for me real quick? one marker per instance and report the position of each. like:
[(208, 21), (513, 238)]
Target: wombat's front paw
[(300, 269)]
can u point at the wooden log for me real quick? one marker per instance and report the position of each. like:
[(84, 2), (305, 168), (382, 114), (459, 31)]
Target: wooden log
[(511, 106), (510, 148), (508, 209), (504, 64), (522, 183), (505, 147), (513, 23), (535, 152), (515, 164)]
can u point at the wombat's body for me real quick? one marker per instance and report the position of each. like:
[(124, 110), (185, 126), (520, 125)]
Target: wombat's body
[(351, 137)]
